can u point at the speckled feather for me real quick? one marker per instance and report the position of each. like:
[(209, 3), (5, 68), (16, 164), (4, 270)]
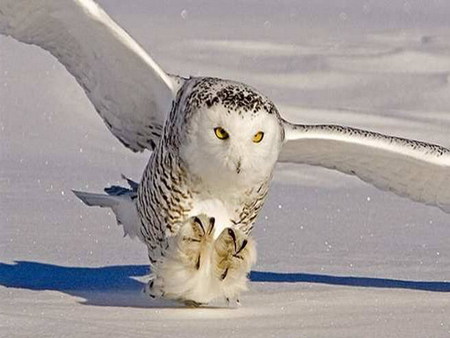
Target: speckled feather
[(167, 189)]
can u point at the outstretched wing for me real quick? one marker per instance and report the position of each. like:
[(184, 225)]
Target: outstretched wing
[(129, 90), (413, 169)]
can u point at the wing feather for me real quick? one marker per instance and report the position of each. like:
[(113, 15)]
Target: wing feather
[(128, 89), (414, 169)]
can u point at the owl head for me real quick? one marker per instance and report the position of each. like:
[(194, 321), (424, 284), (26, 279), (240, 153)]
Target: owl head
[(232, 133)]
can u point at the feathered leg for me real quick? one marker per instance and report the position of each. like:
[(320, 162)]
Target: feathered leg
[(198, 269), (233, 256), (183, 274)]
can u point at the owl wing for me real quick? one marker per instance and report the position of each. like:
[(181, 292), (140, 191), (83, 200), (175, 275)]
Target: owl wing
[(413, 169), (129, 90)]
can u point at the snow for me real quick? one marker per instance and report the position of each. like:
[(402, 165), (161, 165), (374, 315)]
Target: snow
[(337, 258)]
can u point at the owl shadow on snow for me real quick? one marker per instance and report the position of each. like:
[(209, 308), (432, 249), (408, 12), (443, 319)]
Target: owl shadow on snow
[(119, 285)]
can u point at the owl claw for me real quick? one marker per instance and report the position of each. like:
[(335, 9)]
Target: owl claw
[(232, 254), (233, 236), (244, 244), (195, 236), (233, 303), (196, 221), (224, 274), (198, 268), (212, 222)]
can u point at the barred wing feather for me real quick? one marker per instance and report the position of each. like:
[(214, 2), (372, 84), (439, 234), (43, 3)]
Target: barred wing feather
[(129, 90), (413, 169)]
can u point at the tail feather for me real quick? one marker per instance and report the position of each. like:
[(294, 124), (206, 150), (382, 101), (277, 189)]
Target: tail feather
[(133, 185), (100, 200), (122, 202)]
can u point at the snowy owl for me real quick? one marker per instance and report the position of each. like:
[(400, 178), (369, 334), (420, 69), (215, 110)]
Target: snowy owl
[(214, 147)]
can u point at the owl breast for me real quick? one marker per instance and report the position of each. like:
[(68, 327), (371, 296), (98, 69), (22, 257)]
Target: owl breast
[(168, 195)]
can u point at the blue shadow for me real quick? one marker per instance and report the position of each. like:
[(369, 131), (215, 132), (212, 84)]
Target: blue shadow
[(93, 284), (41, 276), (276, 277)]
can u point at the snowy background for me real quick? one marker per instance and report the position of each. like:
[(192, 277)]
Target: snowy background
[(337, 258)]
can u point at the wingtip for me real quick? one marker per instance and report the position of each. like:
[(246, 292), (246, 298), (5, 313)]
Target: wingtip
[(81, 196), (76, 192)]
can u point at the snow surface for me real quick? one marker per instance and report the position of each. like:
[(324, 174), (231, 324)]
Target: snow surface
[(337, 258)]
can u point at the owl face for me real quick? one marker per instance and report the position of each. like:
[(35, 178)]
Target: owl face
[(229, 145)]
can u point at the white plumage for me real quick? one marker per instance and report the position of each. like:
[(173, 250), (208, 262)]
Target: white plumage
[(215, 145), (409, 168), (129, 90)]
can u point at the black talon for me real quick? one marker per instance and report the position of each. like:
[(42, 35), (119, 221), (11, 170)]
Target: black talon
[(244, 244), (150, 287), (212, 222), (199, 222), (197, 265), (225, 273), (233, 236)]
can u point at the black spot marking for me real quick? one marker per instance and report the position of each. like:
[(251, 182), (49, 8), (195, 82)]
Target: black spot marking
[(233, 96)]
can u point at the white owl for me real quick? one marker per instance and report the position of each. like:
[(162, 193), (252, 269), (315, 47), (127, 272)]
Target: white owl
[(215, 144)]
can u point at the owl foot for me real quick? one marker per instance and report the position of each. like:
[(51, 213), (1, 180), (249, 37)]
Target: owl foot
[(231, 251), (182, 273), (195, 240), (197, 268), (234, 254)]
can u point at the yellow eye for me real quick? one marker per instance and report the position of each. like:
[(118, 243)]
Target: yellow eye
[(258, 137), (221, 133)]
